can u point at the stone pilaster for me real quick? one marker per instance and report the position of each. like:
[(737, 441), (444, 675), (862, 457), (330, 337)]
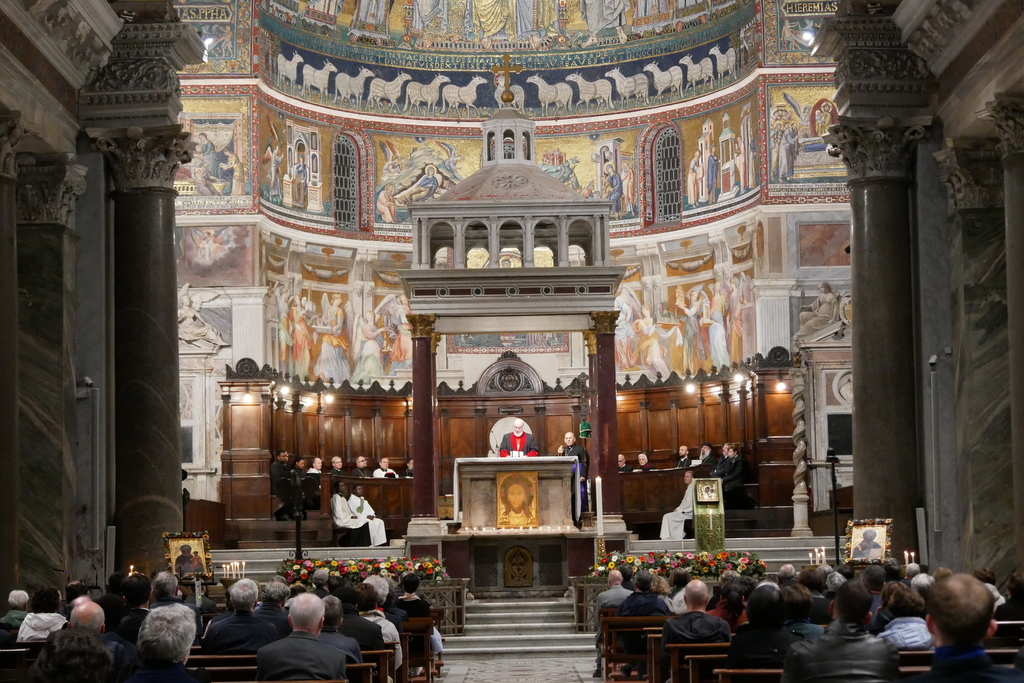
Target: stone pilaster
[(970, 492), (147, 434), (879, 155), (605, 424), (47, 190), (11, 132), (425, 481), (1008, 114)]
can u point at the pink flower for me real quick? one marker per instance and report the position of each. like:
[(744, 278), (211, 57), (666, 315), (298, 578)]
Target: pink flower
[(362, 574), (744, 560), (689, 556), (728, 565)]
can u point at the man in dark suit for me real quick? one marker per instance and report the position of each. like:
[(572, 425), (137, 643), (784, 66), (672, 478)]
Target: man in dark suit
[(301, 656), (241, 633), (329, 633), (960, 611), (112, 602), (136, 589), (641, 603), (684, 460), (364, 631), (320, 577), (337, 467), (730, 470), (275, 594), (164, 642), (623, 467), (88, 617)]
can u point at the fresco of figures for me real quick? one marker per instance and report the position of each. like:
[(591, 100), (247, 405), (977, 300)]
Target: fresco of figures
[(219, 174), (565, 75), (215, 255), (414, 168), (798, 117), (295, 163), (225, 27), (790, 27)]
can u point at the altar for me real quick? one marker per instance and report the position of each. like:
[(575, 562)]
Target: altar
[(520, 495)]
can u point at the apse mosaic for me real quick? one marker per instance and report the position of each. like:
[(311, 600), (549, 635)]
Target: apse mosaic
[(225, 27), (435, 57), (219, 175), (790, 27), (798, 117)]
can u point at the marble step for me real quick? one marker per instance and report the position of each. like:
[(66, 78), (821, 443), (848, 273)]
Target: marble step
[(517, 628), (501, 639), (485, 607), (560, 617), (262, 563), (454, 653), (774, 551)]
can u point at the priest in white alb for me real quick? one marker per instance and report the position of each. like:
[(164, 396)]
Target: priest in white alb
[(678, 524), (362, 509)]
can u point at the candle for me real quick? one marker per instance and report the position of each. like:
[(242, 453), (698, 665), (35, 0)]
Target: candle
[(600, 507), (131, 569), (906, 557), (199, 593), (243, 569), (810, 557), (912, 556)]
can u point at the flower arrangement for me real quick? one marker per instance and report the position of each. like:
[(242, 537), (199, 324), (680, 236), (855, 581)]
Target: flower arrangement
[(427, 568), (699, 565)]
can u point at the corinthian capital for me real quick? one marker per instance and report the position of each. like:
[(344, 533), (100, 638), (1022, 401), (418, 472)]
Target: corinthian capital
[(422, 324), (973, 175), (11, 131), (145, 158), (604, 321), (47, 189), (1007, 112), (876, 149)]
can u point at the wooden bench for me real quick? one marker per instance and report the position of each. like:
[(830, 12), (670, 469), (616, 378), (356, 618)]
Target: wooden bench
[(416, 652), (383, 662), (654, 655), (612, 629), (34, 647), (220, 661), (749, 675), (362, 673), (1008, 634), (229, 674), (695, 662), (14, 659)]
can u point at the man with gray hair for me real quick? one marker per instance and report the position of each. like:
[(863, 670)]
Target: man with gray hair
[(383, 588), (301, 656), (242, 633), (165, 592), (787, 575), (88, 616), (164, 642), (320, 577), (333, 616), (913, 569), (272, 611), (18, 601)]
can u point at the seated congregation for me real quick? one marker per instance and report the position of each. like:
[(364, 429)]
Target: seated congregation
[(144, 631), (811, 626)]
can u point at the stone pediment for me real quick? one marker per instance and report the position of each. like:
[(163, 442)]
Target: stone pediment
[(509, 183)]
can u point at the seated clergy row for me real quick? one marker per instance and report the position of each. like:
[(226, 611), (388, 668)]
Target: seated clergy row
[(308, 636), (853, 632)]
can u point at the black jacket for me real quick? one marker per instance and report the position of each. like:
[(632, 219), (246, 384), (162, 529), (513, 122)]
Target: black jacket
[(1011, 610), (278, 471), (240, 634), (130, 625), (730, 471), (692, 627), (976, 670), (273, 613), (366, 633), (345, 645), (582, 457), (625, 469), (759, 648), (640, 605), (416, 609), (846, 652), (300, 656), (114, 609)]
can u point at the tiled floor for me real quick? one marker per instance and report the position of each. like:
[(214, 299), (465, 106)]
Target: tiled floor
[(577, 670)]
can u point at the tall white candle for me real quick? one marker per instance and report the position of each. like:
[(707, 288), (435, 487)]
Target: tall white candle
[(600, 507), (243, 569), (199, 593), (810, 557)]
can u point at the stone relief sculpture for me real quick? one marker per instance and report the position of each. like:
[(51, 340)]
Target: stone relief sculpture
[(820, 313), (192, 328)]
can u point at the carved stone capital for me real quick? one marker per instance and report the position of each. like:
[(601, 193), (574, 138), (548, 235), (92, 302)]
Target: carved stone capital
[(876, 149), (47, 189), (422, 324), (435, 341), (604, 321), (139, 85), (591, 341), (875, 73), (11, 131), (973, 176), (1007, 112), (145, 158), (938, 31)]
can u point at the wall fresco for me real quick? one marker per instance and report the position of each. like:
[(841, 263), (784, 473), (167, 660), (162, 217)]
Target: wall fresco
[(798, 157), (371, 56), (219, 176), (226, 28), (824, 244), (217, 255), (295, 163), (518, 342)]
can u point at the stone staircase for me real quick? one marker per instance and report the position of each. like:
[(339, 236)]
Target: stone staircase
[(774, 551), (519, 628), (262, 563)]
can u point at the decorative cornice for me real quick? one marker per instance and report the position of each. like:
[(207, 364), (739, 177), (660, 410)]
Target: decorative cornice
[(175, 41), (973, 176), (604, 321), (145, 158), (11, 131), (1007, 112), (47, 189), (422, 324), (875, 72), (938, 30), (876, 149), (73, 34)]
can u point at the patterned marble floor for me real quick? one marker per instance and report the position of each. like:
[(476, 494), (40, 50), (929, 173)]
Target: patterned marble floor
[(577, 670)]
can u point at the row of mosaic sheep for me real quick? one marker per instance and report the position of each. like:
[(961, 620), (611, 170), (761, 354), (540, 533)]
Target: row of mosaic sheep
[(447, 98)]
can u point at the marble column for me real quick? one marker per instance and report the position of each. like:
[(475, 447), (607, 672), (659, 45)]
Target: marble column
[(424, 497), (147, 431), (11, 132), (879, 156), (47, 189), (1008, 114), (606, 424), (594, 446), (968, 496)]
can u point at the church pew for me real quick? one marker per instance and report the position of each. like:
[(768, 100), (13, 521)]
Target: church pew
[(611, 649), (749, 675), (229, 674), (362, 673), (654, 655), (383, 664), (34, 647), (682, 669), (221, 660), (14, 659), (416, 647)]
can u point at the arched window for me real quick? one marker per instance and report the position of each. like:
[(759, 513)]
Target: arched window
[(667, 178), (345, 185)]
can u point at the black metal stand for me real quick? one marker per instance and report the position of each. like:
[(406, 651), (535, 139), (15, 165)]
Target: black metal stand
[(833, 460), (298, 512)]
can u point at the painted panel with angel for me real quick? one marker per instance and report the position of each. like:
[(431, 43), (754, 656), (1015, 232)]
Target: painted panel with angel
[(798, 117), (717, 322), (220, 255), (414, 169), (314, 334), (218, 175)]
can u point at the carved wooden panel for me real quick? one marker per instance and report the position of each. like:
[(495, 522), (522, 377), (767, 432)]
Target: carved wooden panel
[(779, 408), (247, 426), (714, 427)]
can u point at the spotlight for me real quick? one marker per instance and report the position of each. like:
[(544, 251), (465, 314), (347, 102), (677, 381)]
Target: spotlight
[(284, 390), (690, 388), (328, 398), (247, 397), (781, 386), (738, 377), (808, 36)]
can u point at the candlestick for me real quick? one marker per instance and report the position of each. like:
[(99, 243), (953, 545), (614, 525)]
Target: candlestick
[(711, 523), (600, 507), (199, 593)]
